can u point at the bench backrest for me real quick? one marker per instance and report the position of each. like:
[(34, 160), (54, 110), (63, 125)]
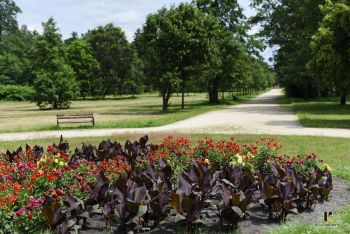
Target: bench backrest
[(75, 116)]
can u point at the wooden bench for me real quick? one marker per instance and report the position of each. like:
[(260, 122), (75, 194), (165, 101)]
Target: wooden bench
[(75, 118)]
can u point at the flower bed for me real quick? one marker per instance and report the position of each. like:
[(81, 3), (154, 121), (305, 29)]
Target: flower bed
[(134, 186)]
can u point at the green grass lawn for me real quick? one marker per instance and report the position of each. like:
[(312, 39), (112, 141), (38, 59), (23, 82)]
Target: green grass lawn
[(320, 113), (124, 112), (335, 151)]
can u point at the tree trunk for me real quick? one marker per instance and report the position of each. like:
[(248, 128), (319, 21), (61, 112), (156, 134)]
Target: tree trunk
[(165, 106), (183, 97), (165, 102), (213, 91), (55, 105), (343, 99), (223, 95)]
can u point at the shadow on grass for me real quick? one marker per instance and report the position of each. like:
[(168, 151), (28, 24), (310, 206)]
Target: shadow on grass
[(326, 123)]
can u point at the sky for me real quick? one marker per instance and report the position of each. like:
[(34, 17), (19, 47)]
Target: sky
[(81, 15)]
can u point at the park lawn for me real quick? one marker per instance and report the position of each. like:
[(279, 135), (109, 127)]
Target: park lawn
[(124, 112), (335, 151), (319, 113)]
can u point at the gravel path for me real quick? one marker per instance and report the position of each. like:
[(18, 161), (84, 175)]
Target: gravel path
[(262, 115)]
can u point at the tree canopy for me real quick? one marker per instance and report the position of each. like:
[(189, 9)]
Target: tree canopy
[(55, 81), (182, 42), (330, 46), (288, 25), (203, 46), (115, 56)]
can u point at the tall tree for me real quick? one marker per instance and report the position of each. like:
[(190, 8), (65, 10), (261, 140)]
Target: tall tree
[(54, 82), (288, 25), (16, 57), (115, 56), (80, 58), (330, 46), (232, 20), (182, 42), (8, 13)]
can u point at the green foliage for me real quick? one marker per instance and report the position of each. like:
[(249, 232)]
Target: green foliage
[(16, 93), (178, 44), (115, 56), (84, 64), (15, 44), (330, 48), (8, 12), (54, 83), (288, 25), (57, 87), (10, 67)]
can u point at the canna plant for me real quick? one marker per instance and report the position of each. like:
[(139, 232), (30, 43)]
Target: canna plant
[(195, 185), (278, 192), (236, 187)]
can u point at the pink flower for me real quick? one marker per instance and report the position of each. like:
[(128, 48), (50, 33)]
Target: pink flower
[(20, 212), (29, 216)]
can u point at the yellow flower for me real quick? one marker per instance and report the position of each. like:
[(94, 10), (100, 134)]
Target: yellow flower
[(239, 159), (232, 163), (61, 163), (206, 161), (55, 160), (326, 166), (250, 155)]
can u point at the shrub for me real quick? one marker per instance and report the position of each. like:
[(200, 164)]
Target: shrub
[(16, 93)]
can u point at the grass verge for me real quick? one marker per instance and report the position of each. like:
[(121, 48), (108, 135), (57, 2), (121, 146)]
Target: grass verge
[(319, 113), (340, 225)]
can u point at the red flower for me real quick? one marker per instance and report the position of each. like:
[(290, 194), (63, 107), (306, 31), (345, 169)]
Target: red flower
[(11, 199), (50, 177), (59, 192)]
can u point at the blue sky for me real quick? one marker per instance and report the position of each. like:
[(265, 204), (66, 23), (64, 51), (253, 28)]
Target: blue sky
[(81, 15)]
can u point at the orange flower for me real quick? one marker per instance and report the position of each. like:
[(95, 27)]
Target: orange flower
[(16, 187), (3, 203), (11, 199)]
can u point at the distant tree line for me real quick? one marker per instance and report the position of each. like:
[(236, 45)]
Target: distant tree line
[(199, 47), (312, 41)]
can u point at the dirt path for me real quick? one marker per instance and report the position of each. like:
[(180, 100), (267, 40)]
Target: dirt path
[(262, 115)]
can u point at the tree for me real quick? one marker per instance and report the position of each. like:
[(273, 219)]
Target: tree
[(54, 82), (80, 58), (8, 12), (180, 44), (14, 46), (115, 56), (16, 57), (288, 25), (330, 47), (232, 20)]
